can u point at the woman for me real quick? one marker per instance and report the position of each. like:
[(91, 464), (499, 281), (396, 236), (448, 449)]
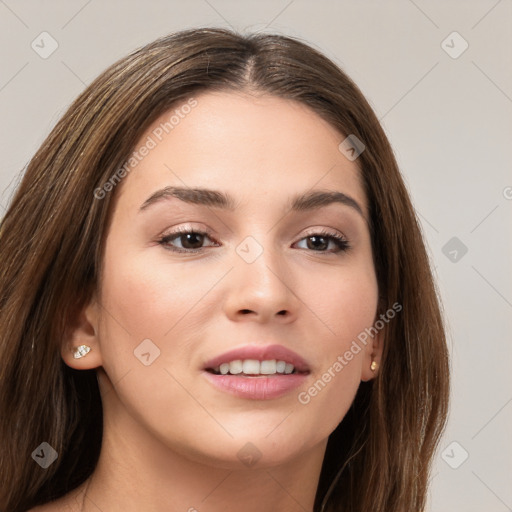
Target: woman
[(215, 294)]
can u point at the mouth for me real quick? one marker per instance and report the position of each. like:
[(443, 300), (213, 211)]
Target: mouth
[(252, 379), (257, 372), (257, 361)]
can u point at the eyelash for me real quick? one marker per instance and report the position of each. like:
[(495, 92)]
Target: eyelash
[(339, 240)]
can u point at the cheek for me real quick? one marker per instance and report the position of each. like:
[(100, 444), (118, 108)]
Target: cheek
[(354, 305), (344, 302), (345, 309), (147, 299), (151, 299)]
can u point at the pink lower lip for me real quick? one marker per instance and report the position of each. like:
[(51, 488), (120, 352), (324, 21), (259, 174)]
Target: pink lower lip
[(257, 388)]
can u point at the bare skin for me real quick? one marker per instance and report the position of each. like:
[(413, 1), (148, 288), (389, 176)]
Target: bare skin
[(172, 440)]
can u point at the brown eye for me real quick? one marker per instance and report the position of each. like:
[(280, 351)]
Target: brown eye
[(193, 240), (319, 242), (190, 240)]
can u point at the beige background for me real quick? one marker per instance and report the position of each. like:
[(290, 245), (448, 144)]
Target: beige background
[(449, 120)]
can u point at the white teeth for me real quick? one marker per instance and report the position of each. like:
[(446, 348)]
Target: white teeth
[(268, 367), (235, 367), (288, 368), (255, 367), (280, 366), (251, 367)]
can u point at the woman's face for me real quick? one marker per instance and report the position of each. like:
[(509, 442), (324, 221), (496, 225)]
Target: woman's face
[(262, 275)]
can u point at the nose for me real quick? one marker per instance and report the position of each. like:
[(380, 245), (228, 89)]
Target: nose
[(262, 291)]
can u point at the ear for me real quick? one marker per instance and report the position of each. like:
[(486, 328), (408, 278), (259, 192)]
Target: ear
[(83, 330), (373, 352)]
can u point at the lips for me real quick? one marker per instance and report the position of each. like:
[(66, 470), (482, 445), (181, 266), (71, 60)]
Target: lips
[(259, 353)]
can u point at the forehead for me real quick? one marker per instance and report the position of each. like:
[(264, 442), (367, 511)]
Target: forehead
[(254, 147)]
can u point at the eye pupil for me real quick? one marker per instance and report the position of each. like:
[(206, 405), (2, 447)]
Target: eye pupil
[(323, 245), (191, 236)]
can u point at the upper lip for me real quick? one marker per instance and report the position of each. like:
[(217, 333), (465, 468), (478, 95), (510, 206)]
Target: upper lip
[(260, 353)]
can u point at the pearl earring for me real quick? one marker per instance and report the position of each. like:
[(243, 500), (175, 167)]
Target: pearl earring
[(374, 366)]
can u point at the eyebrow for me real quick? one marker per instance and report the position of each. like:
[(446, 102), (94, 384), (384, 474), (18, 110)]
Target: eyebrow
[(302, 202)]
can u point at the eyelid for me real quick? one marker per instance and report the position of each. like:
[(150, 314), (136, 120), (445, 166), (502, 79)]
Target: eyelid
[(206, 231), (325, 231)]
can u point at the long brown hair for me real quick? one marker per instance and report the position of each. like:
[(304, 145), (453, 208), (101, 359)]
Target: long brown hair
[(51, 242)]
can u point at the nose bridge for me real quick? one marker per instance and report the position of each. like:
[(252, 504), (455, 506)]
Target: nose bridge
[(260, 283), (260, 265)]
